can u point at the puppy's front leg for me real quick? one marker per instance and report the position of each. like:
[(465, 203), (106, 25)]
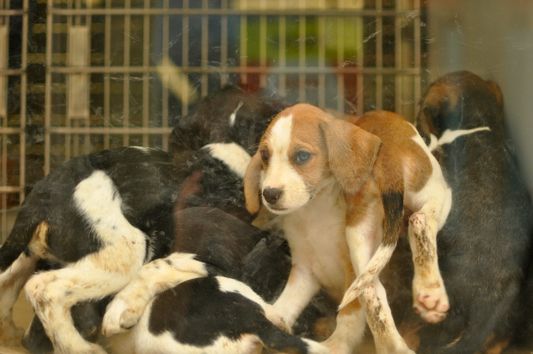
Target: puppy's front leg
[(298, 292)]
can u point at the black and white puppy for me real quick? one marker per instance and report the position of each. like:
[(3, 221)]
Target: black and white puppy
[(484, 245), (100, 217), (199, 302)]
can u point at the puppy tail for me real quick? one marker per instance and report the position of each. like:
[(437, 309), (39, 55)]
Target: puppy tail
[(392, 224), (20, 237)]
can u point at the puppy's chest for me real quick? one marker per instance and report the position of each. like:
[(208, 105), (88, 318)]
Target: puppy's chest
[(316, 237)]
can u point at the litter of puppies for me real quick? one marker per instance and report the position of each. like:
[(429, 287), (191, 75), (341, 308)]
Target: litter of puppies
[(159, 251)]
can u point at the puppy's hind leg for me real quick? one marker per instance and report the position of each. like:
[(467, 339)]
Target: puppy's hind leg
[(430, 299)]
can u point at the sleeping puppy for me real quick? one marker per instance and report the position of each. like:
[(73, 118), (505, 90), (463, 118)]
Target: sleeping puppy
[(484, 245), (199, 303), (339, 188)]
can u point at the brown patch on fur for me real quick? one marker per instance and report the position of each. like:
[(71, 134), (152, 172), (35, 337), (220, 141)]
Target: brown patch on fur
[(352, 153), (443, 93), (496, 347), (366, 199), (189, 187), (39, 243), (324, 327), (399, 155)]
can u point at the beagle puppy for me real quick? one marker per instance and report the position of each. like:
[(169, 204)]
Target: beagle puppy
[(339, 189)]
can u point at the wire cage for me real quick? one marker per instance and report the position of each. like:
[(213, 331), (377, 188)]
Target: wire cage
[(82, 75)]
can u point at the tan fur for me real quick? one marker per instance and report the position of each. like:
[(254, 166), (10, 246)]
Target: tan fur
[(398, 153), (251, 184), (351, 163)]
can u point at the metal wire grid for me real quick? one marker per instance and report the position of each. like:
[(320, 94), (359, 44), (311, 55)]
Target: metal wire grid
[(120, 72), (13, 90)]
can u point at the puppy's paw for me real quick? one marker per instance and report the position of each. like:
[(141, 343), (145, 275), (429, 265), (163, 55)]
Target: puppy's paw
[(276, 318), (430, 300), (118, 318), (130, 317)]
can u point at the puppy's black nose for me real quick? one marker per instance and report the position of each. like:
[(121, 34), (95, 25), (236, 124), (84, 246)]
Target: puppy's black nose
[(272, 195)]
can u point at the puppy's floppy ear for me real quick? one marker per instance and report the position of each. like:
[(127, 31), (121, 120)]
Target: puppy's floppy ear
[(251, 184), (352, 153)]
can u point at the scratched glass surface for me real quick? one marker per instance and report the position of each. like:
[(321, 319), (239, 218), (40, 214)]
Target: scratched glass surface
[(79, 76)]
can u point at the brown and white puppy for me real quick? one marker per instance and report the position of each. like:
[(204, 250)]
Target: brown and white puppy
[(339, 188)]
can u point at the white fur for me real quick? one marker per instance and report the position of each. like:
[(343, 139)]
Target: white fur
[(233, 115), (280, 173), (436, 190), (315, 233), (53, 293), (431, 206), (450, 135), (141, 148), (153, 278), (232, 154)]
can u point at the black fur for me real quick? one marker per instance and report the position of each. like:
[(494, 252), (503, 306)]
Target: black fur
[(392, 224), (208, 121), (201, 313), (145, 181), (484, 247)]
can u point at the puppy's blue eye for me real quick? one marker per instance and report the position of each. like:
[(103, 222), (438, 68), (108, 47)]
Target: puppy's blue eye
[(302, 157)]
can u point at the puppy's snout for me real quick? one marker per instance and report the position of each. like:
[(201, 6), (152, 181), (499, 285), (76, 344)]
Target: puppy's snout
[(272, 195)]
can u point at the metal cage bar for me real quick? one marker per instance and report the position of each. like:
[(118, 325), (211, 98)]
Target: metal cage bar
[(13, 22), (150, 60)]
